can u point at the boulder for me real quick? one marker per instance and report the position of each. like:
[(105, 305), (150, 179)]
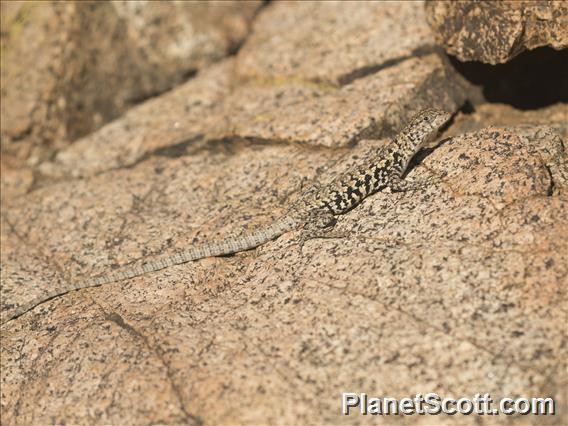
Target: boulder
[(456, 288), (450, 290), (495, 32), (70, 67)]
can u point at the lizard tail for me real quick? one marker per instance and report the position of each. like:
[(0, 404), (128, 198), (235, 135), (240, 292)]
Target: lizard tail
[(243, 242)]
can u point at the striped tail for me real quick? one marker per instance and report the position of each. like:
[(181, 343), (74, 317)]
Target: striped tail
[(244, 242)]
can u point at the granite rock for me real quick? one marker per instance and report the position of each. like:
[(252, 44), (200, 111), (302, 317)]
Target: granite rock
[(345, 40), (495, 32), (453, 289), (69, 67), (181, 117), (505, 115), (457, 289), (212, 107), (545, 131)]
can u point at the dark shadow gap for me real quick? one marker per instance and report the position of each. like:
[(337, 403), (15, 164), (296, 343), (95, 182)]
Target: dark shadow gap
[(362, 72), (532, 80)]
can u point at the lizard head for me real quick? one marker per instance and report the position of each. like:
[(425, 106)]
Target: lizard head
[(421, 129), (425, 125)]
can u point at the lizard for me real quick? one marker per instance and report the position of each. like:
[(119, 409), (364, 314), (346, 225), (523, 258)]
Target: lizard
[(315, 211)]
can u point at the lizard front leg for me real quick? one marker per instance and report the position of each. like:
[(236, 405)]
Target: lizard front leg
[(320, 225)]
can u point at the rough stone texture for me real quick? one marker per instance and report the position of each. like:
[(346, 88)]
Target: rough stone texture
[(346, 40), (372, 106), (178, 118), (547, 128), (505, 115), (494, 32), (15, 181), (69, 67), (210, 108), (457, 289), (372, 87)]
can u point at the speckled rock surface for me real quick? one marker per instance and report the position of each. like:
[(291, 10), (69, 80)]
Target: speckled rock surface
[(211, 107), (346, 40), (505, 115), (385, 87), (457, 289), (369, 107), (494, 32), (181, 117), (69, 67), (373, 87), (452, 290), (544, 131)]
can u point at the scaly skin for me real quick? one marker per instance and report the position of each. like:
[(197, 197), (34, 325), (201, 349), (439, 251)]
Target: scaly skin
[(315, 210)]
